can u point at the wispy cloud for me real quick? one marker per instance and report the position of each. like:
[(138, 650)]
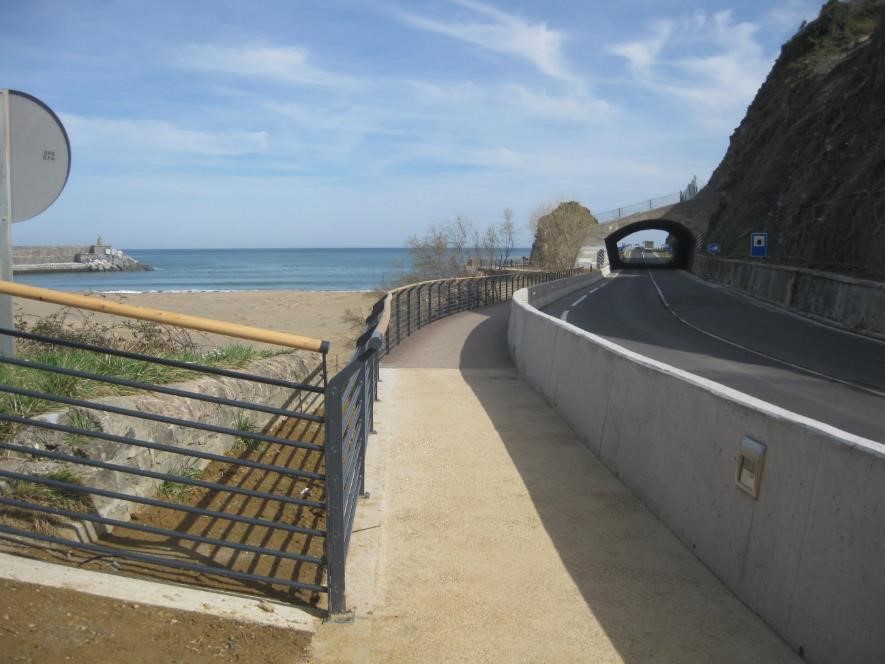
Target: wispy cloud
[(136, 137), (575, 108), (720, 76), (501, 32), (288, 64)]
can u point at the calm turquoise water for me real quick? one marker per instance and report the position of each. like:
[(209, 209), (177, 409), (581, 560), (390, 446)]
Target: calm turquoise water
[(242, 269), (239, 269)]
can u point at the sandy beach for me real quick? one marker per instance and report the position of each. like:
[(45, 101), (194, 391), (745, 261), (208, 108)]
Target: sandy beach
[(318, 314)]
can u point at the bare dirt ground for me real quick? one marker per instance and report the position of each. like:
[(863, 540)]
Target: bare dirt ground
[(40, 624)]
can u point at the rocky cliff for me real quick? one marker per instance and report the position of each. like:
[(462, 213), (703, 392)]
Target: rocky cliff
[(807, 164), (560, 234)]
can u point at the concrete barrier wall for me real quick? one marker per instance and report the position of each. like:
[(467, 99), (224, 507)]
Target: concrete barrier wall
[(543, 294), (808, 555), (855, 304)]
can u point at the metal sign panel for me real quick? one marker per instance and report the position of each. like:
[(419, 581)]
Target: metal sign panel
[(758, 245), (713, 248), (39, 156)]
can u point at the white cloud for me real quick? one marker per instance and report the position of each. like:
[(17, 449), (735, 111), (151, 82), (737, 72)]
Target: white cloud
[(503, 33), (642, 54), (720, 78), (137, 137), (287, 64), (577, 108)]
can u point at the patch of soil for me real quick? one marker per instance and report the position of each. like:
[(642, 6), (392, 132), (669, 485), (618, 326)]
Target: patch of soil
[(39, 624)]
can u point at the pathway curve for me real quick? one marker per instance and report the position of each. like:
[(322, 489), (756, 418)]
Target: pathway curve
[(493, 535)]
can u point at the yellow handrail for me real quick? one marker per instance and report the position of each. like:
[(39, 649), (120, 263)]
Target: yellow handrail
[(168, 317)]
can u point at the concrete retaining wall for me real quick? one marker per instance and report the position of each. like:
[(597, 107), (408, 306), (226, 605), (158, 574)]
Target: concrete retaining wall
[(807, 555), (854, 304), (543, 294)]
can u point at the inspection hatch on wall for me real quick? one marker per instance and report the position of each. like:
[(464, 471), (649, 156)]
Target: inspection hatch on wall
[(748, 470)]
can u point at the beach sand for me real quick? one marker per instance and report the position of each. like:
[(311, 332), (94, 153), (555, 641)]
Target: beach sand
[(317, 314)]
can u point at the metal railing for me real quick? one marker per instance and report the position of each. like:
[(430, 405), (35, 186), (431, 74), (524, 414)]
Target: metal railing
[(416, 305), (166, 479), (351, 394), (650, 204), (218, 480), (690, 191)]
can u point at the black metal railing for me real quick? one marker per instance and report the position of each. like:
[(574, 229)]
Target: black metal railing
[(241, 479), (416, 305), (217, 478), (350, 395)]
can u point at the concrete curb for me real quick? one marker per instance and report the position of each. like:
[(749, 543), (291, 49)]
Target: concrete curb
[(222, 605)]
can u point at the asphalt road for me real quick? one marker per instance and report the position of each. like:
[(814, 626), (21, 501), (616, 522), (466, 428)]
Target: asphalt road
[(828, 375)]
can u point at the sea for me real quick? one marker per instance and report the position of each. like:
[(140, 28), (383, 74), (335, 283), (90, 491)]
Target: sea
[(221, 270)]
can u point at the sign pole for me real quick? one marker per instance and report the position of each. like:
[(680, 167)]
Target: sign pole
[(7, 343)]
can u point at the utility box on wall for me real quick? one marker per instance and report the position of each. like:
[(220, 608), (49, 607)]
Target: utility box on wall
[(748, 470)]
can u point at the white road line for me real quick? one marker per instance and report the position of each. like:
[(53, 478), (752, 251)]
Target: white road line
[(579, 300), (564, 315), (798, 367)]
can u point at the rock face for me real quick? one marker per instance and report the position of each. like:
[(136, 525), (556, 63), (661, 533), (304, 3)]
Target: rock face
[(98, 257), (560, 235), (807, 164)]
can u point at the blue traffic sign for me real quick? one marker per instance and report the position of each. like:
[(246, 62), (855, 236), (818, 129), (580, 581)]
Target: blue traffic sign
[(713, 248), (758, 245)]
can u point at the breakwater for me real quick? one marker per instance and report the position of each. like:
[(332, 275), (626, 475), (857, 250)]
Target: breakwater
[(98, 257)]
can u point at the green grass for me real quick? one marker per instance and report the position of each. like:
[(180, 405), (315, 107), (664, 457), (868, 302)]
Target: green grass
[(81, 419), (245, 424), (178, 491), (234, 356), (49, 495)]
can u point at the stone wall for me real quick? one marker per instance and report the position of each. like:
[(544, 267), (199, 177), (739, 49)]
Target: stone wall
[(853, 304)]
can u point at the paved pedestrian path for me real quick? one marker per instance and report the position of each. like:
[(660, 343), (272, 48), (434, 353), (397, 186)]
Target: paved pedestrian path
[(493, 535)]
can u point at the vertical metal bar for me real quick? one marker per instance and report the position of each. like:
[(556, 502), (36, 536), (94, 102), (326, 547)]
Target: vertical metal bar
[(409, 312), (7, 343), (368, 404), (398, 337), (418, 323), (335, 553)]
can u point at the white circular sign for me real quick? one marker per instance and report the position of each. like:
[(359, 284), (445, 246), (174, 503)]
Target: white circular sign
[(39, 156)]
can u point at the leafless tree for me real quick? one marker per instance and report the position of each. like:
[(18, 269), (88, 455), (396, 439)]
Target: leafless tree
[(507, 235)]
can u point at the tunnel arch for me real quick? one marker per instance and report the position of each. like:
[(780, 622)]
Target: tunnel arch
[(682, 252)]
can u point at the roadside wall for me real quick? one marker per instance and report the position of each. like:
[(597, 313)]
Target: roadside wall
[(855, 304), (806, 555)]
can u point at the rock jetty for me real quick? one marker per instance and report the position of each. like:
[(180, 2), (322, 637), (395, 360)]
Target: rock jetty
[(98, 257)]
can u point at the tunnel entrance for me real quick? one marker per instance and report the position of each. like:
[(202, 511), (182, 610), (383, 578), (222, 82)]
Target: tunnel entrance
[(674, 250)]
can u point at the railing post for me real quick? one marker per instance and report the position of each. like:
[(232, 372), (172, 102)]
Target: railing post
[(418, 322), (398, 336), (367, 428), (335, 554), (409, 312)]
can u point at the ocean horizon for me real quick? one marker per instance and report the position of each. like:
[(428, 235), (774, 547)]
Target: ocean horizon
[(228, 270)]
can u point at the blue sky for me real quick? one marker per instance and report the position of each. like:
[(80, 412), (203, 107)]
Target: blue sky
[(336, 123)]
